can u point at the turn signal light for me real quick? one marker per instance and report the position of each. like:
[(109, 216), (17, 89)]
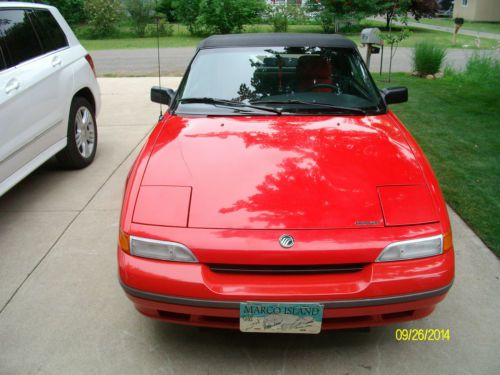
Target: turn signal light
[(447, 241), (124, 241)]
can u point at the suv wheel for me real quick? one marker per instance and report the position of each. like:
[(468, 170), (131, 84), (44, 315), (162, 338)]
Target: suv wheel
[(82, 135)]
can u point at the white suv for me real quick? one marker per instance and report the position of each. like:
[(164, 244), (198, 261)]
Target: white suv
[(49, 96)]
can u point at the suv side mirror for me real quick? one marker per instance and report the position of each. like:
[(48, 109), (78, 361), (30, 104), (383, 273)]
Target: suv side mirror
[(162, 95), (394, 95)]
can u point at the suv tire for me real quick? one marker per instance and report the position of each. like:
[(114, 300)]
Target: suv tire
[(82, 135)]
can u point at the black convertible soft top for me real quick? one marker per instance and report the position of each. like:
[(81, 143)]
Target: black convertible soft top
[(277, 40)]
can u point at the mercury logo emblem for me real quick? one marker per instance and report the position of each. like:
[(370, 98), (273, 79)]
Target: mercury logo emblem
[(286, 241)]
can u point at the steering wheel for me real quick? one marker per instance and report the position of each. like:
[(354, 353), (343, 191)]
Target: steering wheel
[(324, 86)]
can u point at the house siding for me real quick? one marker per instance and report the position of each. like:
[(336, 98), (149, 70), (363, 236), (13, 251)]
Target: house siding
[(478, 10)]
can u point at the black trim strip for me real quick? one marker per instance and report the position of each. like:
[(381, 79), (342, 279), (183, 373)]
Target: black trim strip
[(327, 304), (259, 269)]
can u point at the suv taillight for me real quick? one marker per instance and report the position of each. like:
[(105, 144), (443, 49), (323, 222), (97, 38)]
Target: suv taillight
[(91, 63)]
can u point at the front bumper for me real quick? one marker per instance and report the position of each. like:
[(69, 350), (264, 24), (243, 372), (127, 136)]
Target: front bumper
[(379, 294)]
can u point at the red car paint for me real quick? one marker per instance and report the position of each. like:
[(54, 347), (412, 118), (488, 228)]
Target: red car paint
[(227, 187)]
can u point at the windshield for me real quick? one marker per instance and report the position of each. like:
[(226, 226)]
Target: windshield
[(296, 80)]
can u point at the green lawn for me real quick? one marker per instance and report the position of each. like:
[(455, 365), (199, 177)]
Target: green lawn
[(181, 38), (457, 125), (487, 27)]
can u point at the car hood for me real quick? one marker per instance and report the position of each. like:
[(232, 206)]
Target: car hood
[(275, 172)]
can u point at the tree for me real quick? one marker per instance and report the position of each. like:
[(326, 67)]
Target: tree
[(335, 11), (72, 10), (357, 9), (228, 16), (392, 8), (103, 15), (393, 39), (187, 12), (140, 12), (423, 8), (313, 5), (167, 8), (322, 14), (395, 8)]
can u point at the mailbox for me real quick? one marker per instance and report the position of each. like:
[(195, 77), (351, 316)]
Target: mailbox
[(371, 36)]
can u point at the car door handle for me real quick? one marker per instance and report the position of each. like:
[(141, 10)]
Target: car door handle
[(12, 85), (56, 61)]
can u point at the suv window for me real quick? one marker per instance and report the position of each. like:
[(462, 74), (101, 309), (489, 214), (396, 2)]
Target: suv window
[(3, 64), (49, 31), (18, 36)]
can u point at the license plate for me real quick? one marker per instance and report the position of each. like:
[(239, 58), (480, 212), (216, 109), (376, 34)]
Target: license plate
[(281, 317)]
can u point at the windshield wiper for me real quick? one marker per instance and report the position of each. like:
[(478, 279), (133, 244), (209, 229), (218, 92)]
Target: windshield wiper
[(295, 101), (228, 103)]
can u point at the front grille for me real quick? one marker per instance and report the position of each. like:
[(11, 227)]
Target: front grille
[(277, 270)]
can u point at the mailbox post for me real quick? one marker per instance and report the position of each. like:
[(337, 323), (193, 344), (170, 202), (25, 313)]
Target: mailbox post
[(371, 37)]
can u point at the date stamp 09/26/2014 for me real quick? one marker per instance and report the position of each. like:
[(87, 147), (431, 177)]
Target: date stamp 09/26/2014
[(422, 334)]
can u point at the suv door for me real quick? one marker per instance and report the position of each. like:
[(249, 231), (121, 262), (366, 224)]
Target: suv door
[(59, 59), (31, 112)]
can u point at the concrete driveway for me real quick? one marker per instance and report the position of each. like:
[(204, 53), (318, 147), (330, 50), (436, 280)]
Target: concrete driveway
[(63, 312)]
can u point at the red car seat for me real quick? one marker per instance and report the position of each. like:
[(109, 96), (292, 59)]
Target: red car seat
[(313, 70)]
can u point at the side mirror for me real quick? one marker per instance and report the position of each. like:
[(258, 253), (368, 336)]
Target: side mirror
[(162, 95), (394, 95)]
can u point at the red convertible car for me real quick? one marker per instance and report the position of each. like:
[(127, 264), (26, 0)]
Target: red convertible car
[(280, 194)]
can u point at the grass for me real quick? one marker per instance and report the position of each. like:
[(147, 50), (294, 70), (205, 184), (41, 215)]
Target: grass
[(456, 122), (487, 27), (182, 38)]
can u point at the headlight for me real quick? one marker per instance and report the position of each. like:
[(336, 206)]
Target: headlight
[(164, 250), (412, 249)]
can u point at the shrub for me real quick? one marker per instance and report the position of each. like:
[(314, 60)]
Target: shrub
[(280, 23), (482, 68), (140, 13), (327, 20), (164, 29), (285, 14), (428, 58), (279, 18), (103, 15)]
